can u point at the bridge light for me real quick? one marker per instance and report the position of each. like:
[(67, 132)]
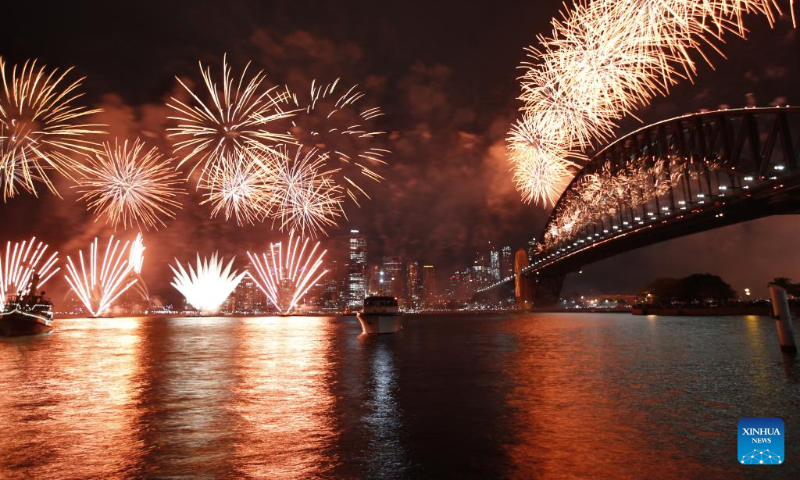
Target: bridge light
[(748, 179), (605, 230), (637, 218), (625, 222), (682, 202), (701, 195), (778, 167)]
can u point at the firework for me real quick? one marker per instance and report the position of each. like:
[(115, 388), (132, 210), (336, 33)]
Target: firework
[(285, 276), (336, 125), (602, 61), (21, 261), (40, 127), (305, 196), (206, 288), (244, 189), (230, 118), (129, 184), (105, 279), (136, 261)]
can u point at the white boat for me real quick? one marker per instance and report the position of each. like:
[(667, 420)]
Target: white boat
[(380, 315)]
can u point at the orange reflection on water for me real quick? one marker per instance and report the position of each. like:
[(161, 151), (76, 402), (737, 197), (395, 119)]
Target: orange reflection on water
[(75, 404), (283, 401), (573, 408)]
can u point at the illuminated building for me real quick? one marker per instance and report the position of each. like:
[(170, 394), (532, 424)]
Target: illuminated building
[(480, 269), (393, 268), (357, 275), (246, 298), (375, 280), (413, 285), (506, 262), (494, 264)]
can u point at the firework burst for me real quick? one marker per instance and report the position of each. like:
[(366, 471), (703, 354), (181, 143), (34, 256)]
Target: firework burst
[(100, 283), (20, 262), (40, 127), (285, 276), (305, 196), (207, 287), (243, 189), (218, 124), (602, 61), (336, 125), (129, 184)]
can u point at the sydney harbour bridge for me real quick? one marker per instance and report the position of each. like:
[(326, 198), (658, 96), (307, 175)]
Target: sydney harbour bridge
[(672, 178)]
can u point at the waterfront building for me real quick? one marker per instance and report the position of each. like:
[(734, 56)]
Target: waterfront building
[(357, 275), (506, 262), (429, 292), (413, 284), (494, 264), (393, 269)]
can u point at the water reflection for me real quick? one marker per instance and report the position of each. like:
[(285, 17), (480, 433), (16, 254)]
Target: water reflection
[(285, 425), (556, 395), (382, 416), (183, 412), (75, 405)]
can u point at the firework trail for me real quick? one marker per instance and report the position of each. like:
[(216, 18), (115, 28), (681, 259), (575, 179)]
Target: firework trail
[(224, 120), (285, 276), (99, 285), (136, 261), (207, 287), (602, 61), (130, 185), (40, 127), (337, 126), (305, 196), (21, 261)]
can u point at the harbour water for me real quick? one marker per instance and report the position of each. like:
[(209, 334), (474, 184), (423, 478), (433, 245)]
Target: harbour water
[(542, 395)]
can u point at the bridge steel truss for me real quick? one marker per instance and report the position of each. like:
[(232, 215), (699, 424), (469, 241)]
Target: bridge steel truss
[(673, 178)]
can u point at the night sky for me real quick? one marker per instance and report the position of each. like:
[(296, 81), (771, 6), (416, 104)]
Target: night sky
[(445, 75)]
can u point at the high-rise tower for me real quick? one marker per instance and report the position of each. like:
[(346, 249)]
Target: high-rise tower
[(357, 275)]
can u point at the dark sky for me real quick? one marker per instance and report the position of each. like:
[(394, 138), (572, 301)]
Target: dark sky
[(445, 75)]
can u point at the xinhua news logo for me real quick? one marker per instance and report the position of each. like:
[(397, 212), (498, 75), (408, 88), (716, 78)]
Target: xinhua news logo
[(761, 441)]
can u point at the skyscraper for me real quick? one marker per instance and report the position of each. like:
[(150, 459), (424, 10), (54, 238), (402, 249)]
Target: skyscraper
[(480, 269), (506, 262), (357, 276), (428, 286), (494, 263), (413, 284), (393, 269)]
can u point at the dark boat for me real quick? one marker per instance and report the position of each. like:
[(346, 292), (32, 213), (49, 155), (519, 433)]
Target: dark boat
[(26, 314)]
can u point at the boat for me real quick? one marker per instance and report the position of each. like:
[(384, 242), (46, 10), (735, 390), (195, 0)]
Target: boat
[(380, 315), (26, 313)]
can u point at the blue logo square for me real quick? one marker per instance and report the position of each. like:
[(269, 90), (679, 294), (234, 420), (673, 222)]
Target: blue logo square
[(761, 441)]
